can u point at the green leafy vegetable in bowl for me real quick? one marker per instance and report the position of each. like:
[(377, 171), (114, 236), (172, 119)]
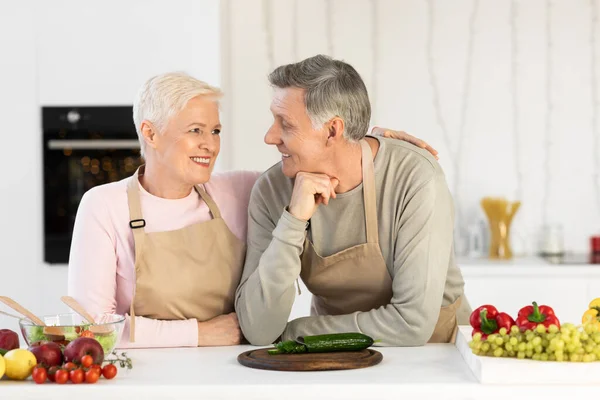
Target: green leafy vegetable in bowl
[(108, 342), (35, 334)]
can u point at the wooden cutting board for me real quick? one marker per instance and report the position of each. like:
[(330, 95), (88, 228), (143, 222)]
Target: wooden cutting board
[(260, 359)]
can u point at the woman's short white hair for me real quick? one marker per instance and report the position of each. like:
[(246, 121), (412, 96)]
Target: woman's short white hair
[(165, 95)]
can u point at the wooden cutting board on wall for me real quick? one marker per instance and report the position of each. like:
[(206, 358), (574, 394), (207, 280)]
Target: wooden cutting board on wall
[(260, 359)]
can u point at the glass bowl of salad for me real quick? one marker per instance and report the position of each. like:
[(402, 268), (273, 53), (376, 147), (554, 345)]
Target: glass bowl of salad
[(64, 328)]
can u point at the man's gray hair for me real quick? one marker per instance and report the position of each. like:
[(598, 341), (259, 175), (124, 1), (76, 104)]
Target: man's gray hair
[(333, 88)]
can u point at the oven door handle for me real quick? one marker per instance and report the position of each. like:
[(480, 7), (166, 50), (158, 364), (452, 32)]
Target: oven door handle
[(93, 144)]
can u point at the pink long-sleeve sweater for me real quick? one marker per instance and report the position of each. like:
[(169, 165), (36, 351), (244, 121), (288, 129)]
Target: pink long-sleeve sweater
[(102, 259)]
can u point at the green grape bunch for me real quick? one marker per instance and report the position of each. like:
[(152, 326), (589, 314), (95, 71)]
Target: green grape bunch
[(567, 343)]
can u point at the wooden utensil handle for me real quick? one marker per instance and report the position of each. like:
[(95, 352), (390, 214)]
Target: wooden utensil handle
[(22, 310), (78, 308)]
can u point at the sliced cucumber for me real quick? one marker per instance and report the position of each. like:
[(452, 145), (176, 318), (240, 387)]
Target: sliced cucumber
[(288, 347)]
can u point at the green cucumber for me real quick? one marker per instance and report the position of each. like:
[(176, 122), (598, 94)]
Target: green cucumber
[(335, 342)]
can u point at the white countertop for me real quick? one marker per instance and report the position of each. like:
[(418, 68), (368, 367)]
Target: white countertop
[(432, 371)]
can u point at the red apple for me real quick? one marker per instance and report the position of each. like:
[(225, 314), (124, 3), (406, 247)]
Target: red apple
[(9, 340), (84, 346), (47, 353)]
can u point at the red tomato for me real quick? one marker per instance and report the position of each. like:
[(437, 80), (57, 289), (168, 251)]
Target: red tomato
[(70, 366), (39, 375), (109, 371), (77, 375), (52, 373), (62, 376), (87, 361), (92, 376), (87, 334), (97, 368)]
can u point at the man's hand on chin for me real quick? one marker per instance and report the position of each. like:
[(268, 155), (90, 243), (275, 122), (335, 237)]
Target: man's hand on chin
[(310, 190)]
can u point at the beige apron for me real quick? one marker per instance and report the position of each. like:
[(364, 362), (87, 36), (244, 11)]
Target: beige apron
[(357, 278), (187, 273)]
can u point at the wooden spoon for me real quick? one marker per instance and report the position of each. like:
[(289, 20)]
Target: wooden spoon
[(53, 333), (78, 308)]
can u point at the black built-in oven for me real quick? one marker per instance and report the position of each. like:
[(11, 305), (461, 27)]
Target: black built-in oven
[(83, 147)]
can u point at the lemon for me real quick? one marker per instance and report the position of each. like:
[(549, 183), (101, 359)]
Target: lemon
[(2, 366), (19, 364)]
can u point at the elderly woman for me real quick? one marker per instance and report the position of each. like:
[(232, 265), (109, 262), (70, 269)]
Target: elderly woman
[(166, 246)]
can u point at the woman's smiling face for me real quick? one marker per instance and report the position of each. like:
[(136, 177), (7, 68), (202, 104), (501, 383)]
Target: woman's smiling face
[(190, 142)]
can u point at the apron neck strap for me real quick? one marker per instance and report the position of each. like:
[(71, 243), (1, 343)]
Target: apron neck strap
[(136, 220), (369, 194), (212, 206), (133, 199), (137, 223)]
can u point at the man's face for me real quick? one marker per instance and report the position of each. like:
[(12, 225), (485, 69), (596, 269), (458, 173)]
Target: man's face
[(301, 146)]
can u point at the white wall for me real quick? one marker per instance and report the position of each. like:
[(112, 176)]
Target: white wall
[(100, 53), (66, 52), (517, 103), (22, 275)]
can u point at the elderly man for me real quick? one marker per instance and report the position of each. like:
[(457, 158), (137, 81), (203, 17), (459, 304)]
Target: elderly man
[(366, 222)]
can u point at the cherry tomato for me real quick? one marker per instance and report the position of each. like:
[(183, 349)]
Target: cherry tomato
[(97, 368), (87, 361), (77, 375), (88, 334), (109, 371), (61, 376), (92, 376), (52, 373), (70, 366), (39, 375)]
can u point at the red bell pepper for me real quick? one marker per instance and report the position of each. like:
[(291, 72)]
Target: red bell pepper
[(487, 320), (531, 316)]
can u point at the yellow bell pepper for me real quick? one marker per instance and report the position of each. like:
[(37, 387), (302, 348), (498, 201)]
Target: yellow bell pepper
[(592, 315)]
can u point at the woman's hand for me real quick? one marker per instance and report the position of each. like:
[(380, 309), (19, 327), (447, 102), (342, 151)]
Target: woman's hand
[(401, 135), (223, 330)]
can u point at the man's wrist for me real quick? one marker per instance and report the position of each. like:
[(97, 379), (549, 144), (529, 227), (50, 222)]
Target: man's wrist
[(294, 222), (306, 222)]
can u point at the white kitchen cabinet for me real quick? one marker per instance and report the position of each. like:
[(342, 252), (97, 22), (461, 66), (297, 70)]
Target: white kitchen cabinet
[(100, 53), (510, 285), (593, 289), (566, 295)]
